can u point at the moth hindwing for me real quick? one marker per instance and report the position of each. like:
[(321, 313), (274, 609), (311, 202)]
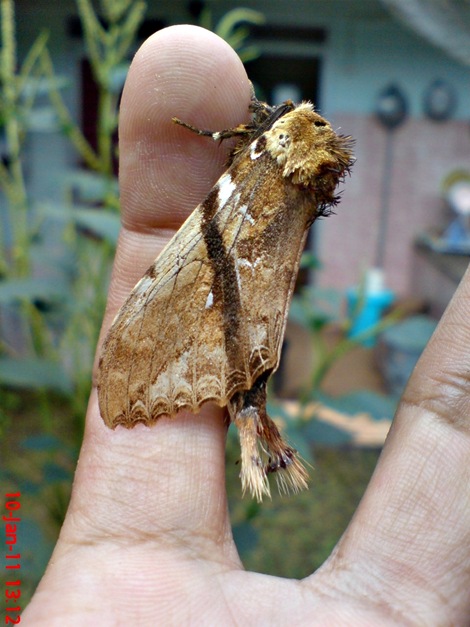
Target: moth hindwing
[(206, 322)]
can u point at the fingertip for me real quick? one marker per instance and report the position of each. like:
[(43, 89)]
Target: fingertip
[(165, 171), (196, 70)]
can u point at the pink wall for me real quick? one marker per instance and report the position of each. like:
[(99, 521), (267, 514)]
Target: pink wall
[(424, 152)]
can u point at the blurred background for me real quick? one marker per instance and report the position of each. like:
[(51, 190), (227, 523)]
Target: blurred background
[(374, 280)]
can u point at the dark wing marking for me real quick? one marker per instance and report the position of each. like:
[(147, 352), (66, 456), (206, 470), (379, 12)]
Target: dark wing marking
[(208, 317)]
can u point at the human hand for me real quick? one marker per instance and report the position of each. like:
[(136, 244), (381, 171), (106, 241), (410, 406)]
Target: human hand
[(147, 537)]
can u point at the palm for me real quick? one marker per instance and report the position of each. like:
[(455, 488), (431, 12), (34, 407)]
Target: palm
[(147, 537)]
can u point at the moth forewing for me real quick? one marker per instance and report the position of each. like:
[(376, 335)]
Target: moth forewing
[(207, 320)]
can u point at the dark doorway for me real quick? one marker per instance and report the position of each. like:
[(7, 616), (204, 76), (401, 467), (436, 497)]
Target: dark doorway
[(268, 72)]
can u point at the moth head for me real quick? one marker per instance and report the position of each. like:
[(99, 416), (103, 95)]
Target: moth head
[(308, 149)]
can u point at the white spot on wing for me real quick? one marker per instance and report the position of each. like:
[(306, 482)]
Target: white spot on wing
[(144, 283), (226, 187), (244, 262), (243, 210), (237, 272), (210, 300), (253, 154)]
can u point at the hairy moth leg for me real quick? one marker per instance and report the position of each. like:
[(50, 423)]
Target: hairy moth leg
[(263, 449)]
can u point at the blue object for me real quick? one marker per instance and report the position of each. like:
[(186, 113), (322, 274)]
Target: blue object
[(401, 347), (367, 314)]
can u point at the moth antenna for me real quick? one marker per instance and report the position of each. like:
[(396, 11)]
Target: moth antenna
[(241, 129), (192, 128)]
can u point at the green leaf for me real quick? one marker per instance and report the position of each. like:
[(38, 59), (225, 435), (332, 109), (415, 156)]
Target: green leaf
[(54, 473), (42, 85), (34, 374), (90, 187), (319, 432), (245, 536), (248, 53), (27, 486), (310, 261), (31, 289), (35, 548), (117, 77), (10, 476), (101, 223), (55, 261), (43, 442), (233, 17), (42, 120), (252, 509), (377, 406)]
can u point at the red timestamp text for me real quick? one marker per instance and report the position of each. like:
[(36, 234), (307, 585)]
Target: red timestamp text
[(12, 558)]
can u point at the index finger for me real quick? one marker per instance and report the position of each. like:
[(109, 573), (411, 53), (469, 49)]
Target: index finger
[(165, 171), (410, 535)]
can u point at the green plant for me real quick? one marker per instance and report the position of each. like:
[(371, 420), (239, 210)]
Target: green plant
[(54, 295), (59, 314), (52, 287), (234, 27), (315, 309), (313, 520)]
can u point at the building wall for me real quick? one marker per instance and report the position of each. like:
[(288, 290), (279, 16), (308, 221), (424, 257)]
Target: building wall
[(365, 50), (49, 156), (364, 56), (424, 152)]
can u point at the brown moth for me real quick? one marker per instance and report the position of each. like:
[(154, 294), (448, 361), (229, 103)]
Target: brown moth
[(206, 322)]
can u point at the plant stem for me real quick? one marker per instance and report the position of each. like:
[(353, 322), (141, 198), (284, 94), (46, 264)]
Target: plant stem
[(328, 358), (106, 114), (16, 190), (69, 127)]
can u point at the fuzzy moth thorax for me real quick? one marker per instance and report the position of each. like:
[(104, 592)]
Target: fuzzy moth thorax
[(309, 151), (207, 320)]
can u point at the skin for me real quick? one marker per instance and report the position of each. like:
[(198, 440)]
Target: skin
[(147, 538)]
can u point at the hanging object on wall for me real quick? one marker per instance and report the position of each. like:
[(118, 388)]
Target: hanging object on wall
[(440, 101), (456, 192), (391, 107)]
